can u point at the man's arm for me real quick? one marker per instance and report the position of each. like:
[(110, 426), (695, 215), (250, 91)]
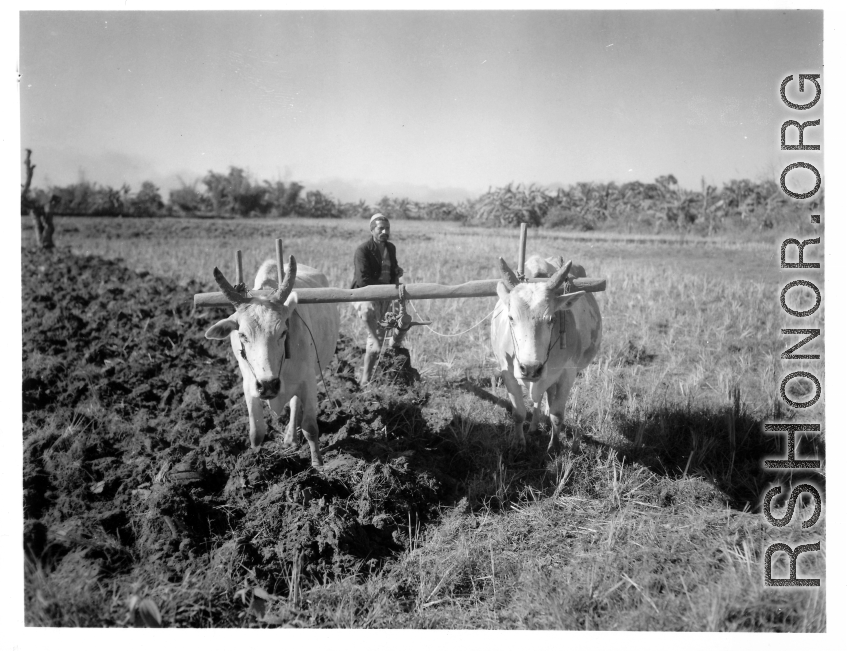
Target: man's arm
[(398, 270)]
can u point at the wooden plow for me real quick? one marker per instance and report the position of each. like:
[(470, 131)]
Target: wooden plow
[(398, 293)]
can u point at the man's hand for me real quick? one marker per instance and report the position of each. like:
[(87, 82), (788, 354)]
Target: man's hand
[(399, 271)]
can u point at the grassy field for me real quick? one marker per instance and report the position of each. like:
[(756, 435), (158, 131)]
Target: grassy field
[(654, 525)]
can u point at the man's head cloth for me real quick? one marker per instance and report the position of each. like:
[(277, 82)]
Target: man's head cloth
[(377, 217)]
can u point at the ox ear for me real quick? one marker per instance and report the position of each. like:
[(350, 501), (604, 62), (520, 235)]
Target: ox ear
[(567, 301), (291, 301), (222, 329), (503, 292)]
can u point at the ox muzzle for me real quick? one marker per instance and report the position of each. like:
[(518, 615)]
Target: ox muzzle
[(268, 389), (530, 372)]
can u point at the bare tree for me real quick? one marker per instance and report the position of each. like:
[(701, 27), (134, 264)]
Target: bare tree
[(42, 216)]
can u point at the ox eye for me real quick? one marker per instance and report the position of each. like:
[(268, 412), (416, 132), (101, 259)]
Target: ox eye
[(511, 318)]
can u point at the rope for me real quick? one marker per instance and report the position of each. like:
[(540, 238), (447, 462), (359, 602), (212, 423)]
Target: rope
[(320, 366), (441, 334)]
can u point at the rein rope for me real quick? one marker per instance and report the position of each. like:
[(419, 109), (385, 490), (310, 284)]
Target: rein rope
[(456, 334), (287, 354), (549, 347), (320, 366), (250, 366), (560, 318)]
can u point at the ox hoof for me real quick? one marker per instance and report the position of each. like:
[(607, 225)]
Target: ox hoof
[(518, 442), (289, 448), (292, 438), (554, 447), (317, 458)]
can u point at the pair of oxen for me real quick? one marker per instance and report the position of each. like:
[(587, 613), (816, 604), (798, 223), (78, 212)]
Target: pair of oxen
[(540, 337)]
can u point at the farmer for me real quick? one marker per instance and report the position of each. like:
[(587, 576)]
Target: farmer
[(375, 263)]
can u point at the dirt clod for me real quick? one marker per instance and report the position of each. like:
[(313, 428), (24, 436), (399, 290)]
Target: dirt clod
[(136, 453)]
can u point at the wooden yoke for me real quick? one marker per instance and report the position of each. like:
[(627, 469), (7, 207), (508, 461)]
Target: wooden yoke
[(239, 270), (416, 291), (279, 270), (522, 252)]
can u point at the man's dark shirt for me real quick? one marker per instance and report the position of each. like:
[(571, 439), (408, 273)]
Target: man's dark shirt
[(367, 264)]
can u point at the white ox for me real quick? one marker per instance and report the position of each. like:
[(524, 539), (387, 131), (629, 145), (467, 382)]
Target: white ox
[(262, 331), (525, 337)]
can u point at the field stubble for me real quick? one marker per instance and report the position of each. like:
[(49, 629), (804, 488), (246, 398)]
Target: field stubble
[(652, 526)]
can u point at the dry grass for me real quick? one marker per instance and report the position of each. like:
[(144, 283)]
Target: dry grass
[(619, 549), (651, 527)]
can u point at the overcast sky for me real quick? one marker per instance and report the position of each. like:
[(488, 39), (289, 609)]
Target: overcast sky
[(423, 104)]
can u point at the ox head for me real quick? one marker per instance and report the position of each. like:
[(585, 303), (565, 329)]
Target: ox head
[(530, 310), (261, 326)]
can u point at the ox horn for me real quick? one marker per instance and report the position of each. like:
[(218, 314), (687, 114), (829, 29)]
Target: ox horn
[(559, 276), (287, 285), (233, 296), (509, 277)]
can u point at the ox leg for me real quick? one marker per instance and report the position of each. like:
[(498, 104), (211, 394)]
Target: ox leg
[(258, 428), (292, 436), (533, 422), (310, 427), (557, 398), (518, 408), (536, 396), (551, 392), (555, 444)]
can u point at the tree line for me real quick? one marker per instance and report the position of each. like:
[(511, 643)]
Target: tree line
[(629, 207)]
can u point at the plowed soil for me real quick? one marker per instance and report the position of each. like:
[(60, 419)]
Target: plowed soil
[(137, 464)]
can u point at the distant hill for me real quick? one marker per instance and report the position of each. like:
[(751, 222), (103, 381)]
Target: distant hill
[(354, 190)]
